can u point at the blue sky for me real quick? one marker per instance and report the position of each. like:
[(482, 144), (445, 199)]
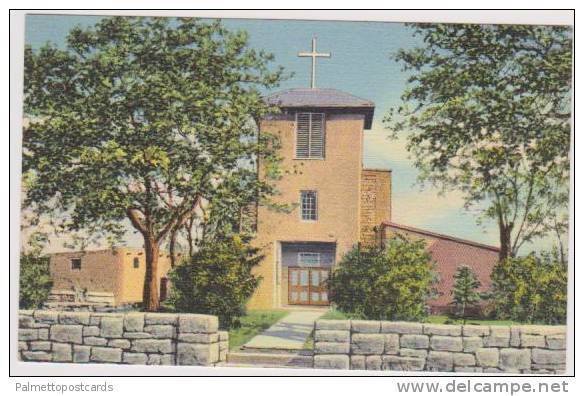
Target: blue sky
[(361, 64)]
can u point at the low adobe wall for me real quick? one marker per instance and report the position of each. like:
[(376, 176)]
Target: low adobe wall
[(121, 338), (374, 345)]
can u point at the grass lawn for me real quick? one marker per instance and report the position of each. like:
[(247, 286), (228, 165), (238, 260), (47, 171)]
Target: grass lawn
[(252, 324)]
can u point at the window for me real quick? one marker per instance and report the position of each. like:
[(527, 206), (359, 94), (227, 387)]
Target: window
[(136, 262), (76, 263), (308, 205), (309, 259), (309, 135)]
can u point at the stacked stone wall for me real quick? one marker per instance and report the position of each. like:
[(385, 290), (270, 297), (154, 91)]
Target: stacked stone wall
[(121, 338), (375, 345)]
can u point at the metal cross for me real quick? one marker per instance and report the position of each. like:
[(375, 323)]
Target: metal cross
[(314, 55)]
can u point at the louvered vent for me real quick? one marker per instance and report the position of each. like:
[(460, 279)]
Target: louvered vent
[(309, 135)]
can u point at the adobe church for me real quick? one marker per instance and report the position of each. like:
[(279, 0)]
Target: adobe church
[(338, 202)]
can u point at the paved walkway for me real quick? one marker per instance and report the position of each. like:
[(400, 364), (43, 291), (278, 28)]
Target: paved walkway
[(289, 333)]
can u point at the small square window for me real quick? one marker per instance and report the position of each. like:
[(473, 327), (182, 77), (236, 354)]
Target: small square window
[(136, 262), (75, 263), (308, 205)]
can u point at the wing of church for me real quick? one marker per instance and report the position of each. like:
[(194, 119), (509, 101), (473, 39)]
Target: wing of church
[(337, 203)]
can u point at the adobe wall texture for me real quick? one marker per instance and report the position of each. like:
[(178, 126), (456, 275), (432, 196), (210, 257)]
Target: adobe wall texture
[(374, 345), (130, 338)]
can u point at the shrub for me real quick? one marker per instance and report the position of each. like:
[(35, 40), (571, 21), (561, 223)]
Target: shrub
[(464, 293), (530, 289), (35, 280), (216, 280), (392, 283)]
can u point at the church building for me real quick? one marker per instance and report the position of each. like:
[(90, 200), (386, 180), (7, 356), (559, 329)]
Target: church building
[(336, 202)]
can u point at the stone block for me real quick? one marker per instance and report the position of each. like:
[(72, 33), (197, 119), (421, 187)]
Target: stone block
[(37, 356), (414, 341), (167, 360), (443, 330), (325, 348), (153, 359), (358, 362), (332, 336), (367, 344), (119, 343), (515, 336), (112, 327), (137, 335), (25, 321), (23, 346), (152, 346), (487, 357), (106, 355), (332, 324), (391, 344), (192, 323), (91, 331), (81, 353), (134, 358), (94, 320), (339, 362), (471, 344), (514, 359), (373, 362), (543, 330), (475, 331), (97, 341), (498, 337), (446, 343), (468, 369), (440, 361), (463, 359), (43, 334), (556, 341), (199, 338), (402, 363), (492, 370), (530, 341), (546, 356), (160, 319), (81, 318), (28, 334), (223, 335), (46, 316), (418, 353), (62, 352), (365, 326), (161, 331), (188, 354), (134, 322), (401, 327), (67, 333), (40, 345)]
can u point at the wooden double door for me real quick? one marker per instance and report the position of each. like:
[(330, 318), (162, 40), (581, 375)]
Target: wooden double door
[(308, 286)]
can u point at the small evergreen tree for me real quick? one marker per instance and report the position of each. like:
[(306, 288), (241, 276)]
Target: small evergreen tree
[(216, 280), (465, 294), (393, 283)]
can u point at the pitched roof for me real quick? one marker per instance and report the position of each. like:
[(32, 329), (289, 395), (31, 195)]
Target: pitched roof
[(323, 98)]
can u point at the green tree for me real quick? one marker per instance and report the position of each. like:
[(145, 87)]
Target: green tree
[(144, 119), (464, 293), (487, 112), (217, 279), (391, 283), (531, 289), (35, 276)]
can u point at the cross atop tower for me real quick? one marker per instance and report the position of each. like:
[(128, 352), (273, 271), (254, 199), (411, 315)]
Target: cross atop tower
[(314, 55)]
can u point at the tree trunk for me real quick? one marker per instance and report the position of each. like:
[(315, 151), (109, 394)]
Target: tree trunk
[(505, 241), (172, 247), (150, 294)]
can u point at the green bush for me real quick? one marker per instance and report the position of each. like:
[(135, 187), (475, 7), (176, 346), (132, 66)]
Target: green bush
[(393, 283), (35, 280), (217, 280), (464, 293), (530, 289)]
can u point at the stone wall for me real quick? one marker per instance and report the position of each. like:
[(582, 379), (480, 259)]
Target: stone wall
[(121, 338), (374, 345)]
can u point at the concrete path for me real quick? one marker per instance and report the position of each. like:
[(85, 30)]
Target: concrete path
[(290, 333)]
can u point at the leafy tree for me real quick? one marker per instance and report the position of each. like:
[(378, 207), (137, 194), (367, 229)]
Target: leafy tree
[(391, 283), (487, 112), (216, 280), (464, 293), (531, 289), (35, 276), (144, 119)]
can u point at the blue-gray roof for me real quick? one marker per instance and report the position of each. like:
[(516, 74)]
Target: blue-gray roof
[(323, 98)]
